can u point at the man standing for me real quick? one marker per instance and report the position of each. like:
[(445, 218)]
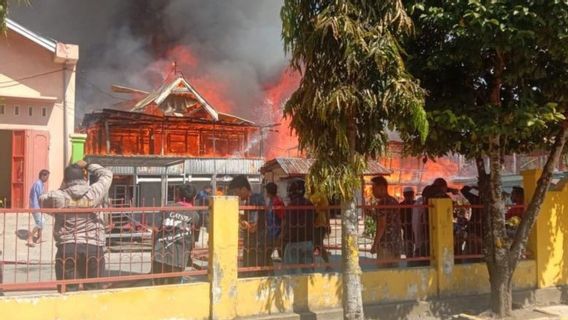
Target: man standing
[(173, 240), (388, 238), (257, 250), (34, 236), (298, 228), (202, 200), (518, 200), (406, 220), (79, 236), (275, 212)]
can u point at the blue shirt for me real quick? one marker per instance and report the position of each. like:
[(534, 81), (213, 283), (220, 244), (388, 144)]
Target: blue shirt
[(35, 192)]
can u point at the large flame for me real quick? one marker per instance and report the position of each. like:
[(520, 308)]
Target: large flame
[(281, 141), (180, 59)]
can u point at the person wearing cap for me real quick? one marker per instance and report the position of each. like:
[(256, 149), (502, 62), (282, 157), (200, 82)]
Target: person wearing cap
[(406, 220)]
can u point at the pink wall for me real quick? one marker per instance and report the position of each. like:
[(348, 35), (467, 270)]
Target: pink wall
[(32, 76)]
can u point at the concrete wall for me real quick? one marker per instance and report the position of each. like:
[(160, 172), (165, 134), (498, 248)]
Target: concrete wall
[(189, 301), (39, 79), (226, 296)]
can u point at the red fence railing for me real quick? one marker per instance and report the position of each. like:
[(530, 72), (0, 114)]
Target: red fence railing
[(117, 247), (100, 248), (308, 238)]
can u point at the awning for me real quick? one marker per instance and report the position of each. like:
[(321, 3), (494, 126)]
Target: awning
[(135, 161)]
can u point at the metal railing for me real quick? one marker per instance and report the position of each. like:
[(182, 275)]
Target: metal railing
[(88, 249), (295, 239)]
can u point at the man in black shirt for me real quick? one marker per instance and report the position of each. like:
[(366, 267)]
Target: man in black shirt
[(298, 228), (173, 241)]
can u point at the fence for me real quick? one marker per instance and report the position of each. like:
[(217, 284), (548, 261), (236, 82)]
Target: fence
[(308, 239), (144, 246), (227, 292), (109, 248)]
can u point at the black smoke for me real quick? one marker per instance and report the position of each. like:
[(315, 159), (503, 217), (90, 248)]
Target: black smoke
[(237, 42)]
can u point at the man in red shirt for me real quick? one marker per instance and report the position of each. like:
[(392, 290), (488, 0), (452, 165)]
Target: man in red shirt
[(518, 199)]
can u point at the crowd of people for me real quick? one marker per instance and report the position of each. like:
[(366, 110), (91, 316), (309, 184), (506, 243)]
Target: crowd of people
[(271, 230), (402, 229)]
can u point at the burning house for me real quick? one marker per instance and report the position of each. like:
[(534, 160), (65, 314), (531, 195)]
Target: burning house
[(170, 136)]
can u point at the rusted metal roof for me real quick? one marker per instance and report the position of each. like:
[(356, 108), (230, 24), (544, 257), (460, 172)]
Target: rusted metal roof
[(294, 167), (158, 165)]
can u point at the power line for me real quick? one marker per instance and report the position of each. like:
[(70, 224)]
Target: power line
[(27, 78)]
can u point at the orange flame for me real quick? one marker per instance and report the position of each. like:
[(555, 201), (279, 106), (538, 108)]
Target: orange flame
[(281, 142)]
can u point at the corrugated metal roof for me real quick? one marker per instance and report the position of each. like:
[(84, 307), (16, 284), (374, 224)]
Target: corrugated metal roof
[(47, 43), (301, 167), (158, 165), (223, 166)]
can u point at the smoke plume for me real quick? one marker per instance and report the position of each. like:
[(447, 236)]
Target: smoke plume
[(231, 49)]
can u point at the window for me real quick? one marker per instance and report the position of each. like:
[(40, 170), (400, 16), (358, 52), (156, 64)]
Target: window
[(30, 111), (2, 107), (44, 112), (17, 110)]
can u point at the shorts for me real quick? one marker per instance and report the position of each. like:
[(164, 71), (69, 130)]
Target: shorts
[(299, 253), (38, 219)]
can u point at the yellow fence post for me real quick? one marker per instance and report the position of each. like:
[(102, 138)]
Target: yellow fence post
[(548, 240), (223, 251), (535, 243), (442, 241)]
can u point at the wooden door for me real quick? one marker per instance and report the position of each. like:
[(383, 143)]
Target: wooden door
[(18, 168)]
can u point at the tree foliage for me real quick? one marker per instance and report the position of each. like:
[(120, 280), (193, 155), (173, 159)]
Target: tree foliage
[(496, 76), (354, 86), (463, 47), (3, 14)]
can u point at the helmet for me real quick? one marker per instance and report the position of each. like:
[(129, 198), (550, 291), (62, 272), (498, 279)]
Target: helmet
[(296, 188)]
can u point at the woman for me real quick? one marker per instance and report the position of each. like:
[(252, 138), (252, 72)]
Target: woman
[(173, 239)]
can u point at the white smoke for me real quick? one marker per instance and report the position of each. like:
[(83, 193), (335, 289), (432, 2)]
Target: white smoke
[(237, 43)]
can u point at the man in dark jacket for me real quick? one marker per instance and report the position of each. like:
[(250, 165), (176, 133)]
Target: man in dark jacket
[(298, 228), (79, 237)]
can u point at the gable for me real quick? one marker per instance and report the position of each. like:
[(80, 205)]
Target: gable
[(178, 98)]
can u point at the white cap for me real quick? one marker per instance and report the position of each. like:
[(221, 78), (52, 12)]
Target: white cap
[(408, 189)]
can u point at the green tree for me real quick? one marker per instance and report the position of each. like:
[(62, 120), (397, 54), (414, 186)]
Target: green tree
[(3, 14), (496, 76), (354, 87)]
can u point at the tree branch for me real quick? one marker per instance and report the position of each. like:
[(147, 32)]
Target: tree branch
[(533, 209)]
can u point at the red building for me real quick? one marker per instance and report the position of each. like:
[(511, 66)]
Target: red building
[(170, 136)]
